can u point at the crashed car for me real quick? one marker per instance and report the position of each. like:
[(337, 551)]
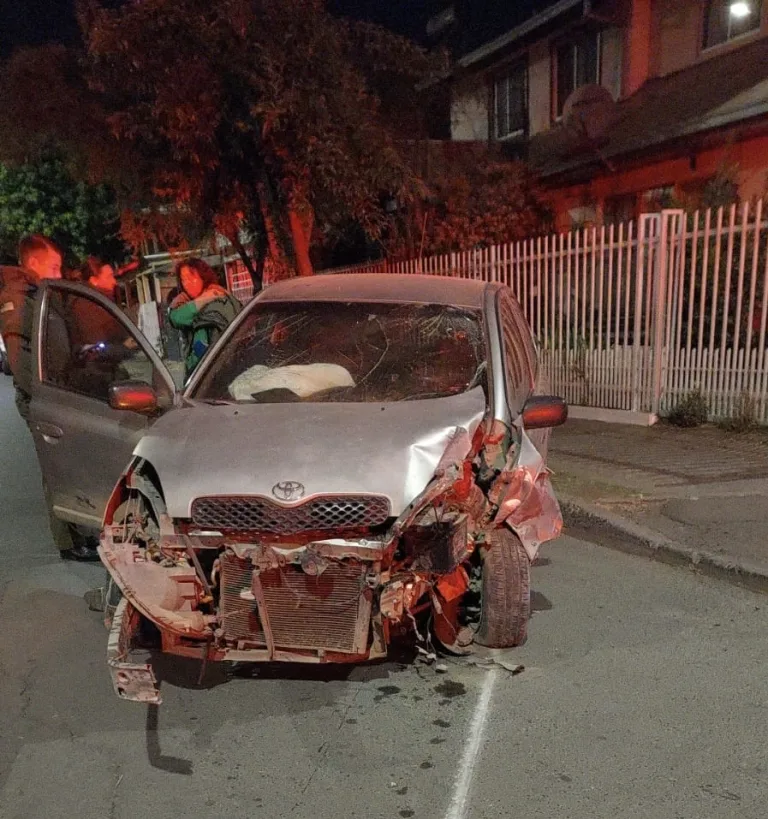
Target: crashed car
[(360, 457)]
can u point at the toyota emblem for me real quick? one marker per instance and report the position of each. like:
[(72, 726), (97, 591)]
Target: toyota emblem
[(288, 490)]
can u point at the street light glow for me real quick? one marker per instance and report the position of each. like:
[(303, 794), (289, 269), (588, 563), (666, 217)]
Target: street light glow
[(740, 9)]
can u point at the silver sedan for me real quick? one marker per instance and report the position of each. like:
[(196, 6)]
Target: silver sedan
[(359, 458)]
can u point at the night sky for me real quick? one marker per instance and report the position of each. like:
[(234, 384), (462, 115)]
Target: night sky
[(32, 22)]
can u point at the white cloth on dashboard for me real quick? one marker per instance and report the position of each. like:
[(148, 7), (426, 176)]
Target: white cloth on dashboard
[(303, 380)]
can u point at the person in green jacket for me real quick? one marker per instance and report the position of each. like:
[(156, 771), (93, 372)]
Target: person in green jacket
[(202, 310)]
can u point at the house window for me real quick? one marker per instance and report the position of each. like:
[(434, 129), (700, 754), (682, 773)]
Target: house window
[(617, 209), (510, 104), (727, 19), (578, 63), (657, 199)]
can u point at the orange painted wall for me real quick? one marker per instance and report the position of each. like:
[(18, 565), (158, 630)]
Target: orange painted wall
[(676, 35), (638, 54), (751, 157)]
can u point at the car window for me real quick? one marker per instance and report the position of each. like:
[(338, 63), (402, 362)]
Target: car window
[(86, 348), (347, 352), (517, 354)]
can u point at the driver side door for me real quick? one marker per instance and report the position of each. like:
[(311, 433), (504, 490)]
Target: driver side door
[(82, 345)]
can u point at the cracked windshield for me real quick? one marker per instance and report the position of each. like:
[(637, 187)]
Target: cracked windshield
[(348, 353)]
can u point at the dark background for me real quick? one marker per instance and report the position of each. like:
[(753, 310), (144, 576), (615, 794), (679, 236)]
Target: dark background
[(32, 22)]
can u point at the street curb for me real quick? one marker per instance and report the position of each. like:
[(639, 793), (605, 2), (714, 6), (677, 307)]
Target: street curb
[(582, 519)]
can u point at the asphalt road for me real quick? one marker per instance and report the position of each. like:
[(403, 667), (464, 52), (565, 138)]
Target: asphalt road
[(643, 696)]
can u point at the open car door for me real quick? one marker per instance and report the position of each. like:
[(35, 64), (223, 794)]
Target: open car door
[(82, 346)]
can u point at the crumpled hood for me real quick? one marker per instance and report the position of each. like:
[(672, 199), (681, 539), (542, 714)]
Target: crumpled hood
[(384, 449)]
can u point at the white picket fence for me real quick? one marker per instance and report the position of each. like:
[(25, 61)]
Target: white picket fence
[(638, 315)]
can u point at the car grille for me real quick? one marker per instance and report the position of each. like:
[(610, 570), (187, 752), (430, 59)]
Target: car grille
[(323, 514), (326, 612)]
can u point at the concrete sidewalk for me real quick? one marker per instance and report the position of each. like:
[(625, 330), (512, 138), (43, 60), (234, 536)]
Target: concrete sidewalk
[(686, 496)]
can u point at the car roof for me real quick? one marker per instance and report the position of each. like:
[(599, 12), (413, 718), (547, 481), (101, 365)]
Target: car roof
[(380, 287)]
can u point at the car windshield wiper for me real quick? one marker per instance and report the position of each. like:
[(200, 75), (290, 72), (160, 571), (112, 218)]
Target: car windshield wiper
[(213, 402), (425, 396)]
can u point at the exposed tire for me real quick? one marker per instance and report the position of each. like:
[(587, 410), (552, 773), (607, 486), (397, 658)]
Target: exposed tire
[(505, 592)]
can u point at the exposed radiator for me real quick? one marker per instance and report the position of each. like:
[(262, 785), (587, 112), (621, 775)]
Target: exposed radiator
[(328, 612), (240, 618)]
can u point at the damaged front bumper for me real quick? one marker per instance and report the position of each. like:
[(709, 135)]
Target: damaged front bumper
[(216, 598), (131, 681), (260, 603)]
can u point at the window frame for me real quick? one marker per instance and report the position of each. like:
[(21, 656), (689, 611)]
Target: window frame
[(158, 380), (729, 40), (657, 198), (521, 67), (572, 42)]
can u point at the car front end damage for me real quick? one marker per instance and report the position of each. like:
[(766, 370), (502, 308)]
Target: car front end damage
[(328, 579)]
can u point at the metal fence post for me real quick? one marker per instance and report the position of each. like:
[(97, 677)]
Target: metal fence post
[(645, 239), (663, 269), (659, 313)]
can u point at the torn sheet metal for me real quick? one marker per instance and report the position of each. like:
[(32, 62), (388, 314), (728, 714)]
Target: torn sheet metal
[(491, 663), (167, 596), (526, 499), (131, 681), (438, 451)]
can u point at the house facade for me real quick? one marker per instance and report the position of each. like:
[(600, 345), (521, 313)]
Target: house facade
[(622, 106)]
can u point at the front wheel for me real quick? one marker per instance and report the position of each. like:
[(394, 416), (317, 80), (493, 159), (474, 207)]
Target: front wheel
[(505, 606)]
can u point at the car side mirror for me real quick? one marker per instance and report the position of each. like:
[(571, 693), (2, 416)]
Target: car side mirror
[(133, 396), (544, 411)]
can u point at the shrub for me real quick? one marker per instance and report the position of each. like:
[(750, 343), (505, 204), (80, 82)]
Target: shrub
[(692, 411), (744, 418)]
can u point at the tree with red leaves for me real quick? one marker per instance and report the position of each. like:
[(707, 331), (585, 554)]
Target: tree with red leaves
[(475, 198), (269, 116)]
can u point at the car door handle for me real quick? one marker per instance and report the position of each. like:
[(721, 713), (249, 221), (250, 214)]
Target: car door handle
[(49, 430)]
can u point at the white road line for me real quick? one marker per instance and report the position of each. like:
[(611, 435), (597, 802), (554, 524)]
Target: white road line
[(461, 792)]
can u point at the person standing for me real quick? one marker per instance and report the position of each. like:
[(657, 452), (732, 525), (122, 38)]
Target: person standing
[(39, 259), (202, 311), (100, 276), (96, 323)]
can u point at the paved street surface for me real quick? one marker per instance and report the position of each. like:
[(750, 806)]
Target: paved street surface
[(705, 488), (661, 461), (643, 696)]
